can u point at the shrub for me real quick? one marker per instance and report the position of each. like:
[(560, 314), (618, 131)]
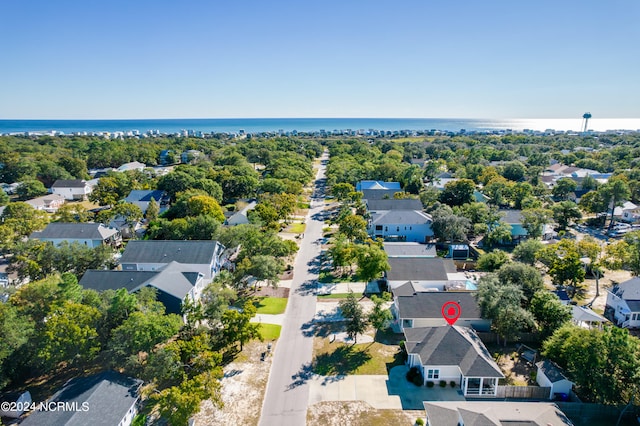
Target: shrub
[(429, 384), (419, 422), (452, 384), (418, 380), (443, 383), (411, 374)]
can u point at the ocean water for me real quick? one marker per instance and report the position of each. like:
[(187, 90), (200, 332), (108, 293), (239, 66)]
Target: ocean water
[(253, 125)]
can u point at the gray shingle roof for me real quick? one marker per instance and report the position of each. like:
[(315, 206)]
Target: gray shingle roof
[(628, 290), (69, 183), (145, 195), (410, 250), (109, 394), (428, 304), (511, 216), (75, 231), (400, 217), (452, 345), (553, 372), (102, 280), (419, 268), (378, 194), (392, 204), (495, 413), (164, 251)]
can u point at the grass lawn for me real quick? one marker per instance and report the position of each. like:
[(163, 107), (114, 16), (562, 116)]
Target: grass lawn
[(270, 305), (296, 228), (270, 331), (334, 296), (364, 358)]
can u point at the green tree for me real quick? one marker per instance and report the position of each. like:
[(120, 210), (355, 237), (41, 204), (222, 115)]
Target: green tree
[(604, 364), (450, 227), (525, 252), (514, 171), (178, 404), (550, 314), (492, 261), (379, 317), (524, 276), (615, 191), (564, 187), (153, 210), (499, 233), (16, 330), (372, 261), (4, 198), (30, 188), (564, 212), (341, 190), (204, 205), (341, 252), (70, 335), (237, 326), (70, 213), (262, 267), (22, 219), (533, 220), (354, 316), (353, 227), (458, 192), (563, 261), (216, 298)]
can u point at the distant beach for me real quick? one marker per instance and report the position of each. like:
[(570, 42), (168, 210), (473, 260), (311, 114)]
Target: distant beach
[(257, 125)]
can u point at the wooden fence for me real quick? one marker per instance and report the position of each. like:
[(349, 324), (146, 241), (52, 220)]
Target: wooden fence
[(524, 392)]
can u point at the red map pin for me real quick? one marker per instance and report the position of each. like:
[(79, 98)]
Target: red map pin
[(451, 312)]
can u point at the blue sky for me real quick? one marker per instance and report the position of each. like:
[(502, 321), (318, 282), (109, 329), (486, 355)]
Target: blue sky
[(347, 58)]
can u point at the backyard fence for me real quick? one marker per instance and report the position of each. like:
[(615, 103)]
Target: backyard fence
[(524, 392)]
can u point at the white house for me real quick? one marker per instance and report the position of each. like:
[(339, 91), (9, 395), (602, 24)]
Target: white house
[(88, 234), (586, 318), (71, 189), (453, 354), (424, 309), (153, 255), (550, 375), (49, 203), (623, 303), (240, 217), (133, 165)]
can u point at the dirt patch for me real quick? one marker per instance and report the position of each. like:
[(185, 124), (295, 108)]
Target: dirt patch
[(269, 291), (517, 370), (243, 388), (358, 413)]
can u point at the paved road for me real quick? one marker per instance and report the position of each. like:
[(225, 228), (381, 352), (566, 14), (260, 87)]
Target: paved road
[(287, 396)]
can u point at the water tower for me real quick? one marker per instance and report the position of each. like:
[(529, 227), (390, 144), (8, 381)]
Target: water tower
[(585, 120)]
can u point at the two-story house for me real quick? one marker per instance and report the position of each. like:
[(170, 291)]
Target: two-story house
[(72, 189), (88, 234), (623, 303)]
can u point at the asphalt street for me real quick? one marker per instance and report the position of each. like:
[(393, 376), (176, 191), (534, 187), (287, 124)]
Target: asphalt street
[(287, 395)]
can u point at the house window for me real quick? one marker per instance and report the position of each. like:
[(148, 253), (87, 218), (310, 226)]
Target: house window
[(378, 227), (433, 374), (386, 228), (397, 229), (635, 317)]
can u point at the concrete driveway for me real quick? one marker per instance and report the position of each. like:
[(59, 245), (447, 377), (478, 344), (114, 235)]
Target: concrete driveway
[(381, 392)]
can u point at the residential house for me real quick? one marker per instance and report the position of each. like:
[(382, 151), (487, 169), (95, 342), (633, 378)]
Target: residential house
[(191, 156), (142, 198), (401, 225), (409, 249), (133, 165), (49, 203), (71, 189), (376, 190), (88, 234), (551, 375), (628, 211), (374, 206), (240, 217), (152, 255), (563, 296), (586, 318), (519, 233), (453, 354), (494, 413), (623, 303), (174, 282), (423, 272), (10, 188), (107, 398), (444, 178), (415, 309)]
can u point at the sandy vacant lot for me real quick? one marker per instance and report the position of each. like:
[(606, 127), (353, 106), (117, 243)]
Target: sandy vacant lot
[(358, 413)]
